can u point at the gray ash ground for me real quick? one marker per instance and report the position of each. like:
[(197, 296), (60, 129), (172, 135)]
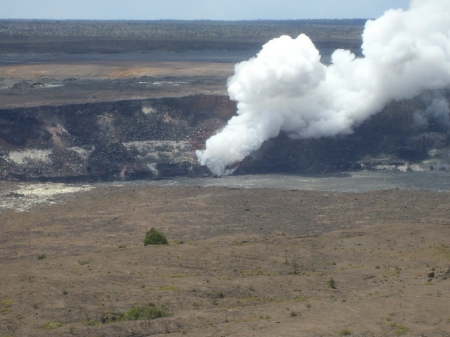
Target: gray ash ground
[(219, 56), (51, 91), (358, 182), (24, 196)]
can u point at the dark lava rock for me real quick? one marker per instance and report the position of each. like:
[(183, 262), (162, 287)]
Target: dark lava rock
[(157, 139)]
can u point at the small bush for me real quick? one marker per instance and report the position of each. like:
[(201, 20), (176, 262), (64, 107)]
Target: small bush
[(399, 329), (5, 306), (41, 257), (138, 312), (331, 283), (346, 332), (154, 237), (52, 325), (146, 311)]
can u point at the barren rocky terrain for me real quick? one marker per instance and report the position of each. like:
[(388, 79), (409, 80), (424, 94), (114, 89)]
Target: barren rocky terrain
[(241, 262)]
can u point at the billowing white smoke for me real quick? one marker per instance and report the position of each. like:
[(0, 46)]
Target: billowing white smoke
[(286, 88)]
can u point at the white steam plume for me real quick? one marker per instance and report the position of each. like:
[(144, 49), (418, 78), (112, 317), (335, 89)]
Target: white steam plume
[(286, 88), (437, 108)]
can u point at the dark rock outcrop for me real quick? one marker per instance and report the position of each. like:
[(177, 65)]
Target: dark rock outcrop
[(157, 138), (153, 138)]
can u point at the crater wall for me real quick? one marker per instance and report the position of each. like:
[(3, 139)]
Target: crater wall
[(151, 138), (157, 139)]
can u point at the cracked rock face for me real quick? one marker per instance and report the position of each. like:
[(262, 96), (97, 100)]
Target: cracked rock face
[(154, 138)]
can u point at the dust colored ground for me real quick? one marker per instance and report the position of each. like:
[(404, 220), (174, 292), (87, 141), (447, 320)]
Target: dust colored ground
[(114, 70), (240, 262)]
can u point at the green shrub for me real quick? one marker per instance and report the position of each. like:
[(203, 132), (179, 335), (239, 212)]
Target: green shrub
[(138, 312), (146, 311), (41, 257), (5, 306), (331, 283), (399, 329), (154, 237)]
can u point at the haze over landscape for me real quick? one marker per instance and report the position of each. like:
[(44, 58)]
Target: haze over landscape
[(195, 9)]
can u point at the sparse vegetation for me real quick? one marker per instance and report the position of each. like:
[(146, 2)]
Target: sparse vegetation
[(399, 329), (295, 268), (146, 311), (83, 262), (219, 294), (52, 325), (331, 283), (155, 237), (41, 257), (121, 246), (170, 288), (444, 249), (5, 306), (229, 286), (138, 312), (91, 322)]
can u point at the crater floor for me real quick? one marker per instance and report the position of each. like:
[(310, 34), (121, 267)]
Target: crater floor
[(240, 262)]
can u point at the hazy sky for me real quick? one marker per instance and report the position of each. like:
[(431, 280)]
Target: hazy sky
[(195, 9)]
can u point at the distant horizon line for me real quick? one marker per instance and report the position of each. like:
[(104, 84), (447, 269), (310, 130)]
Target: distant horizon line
[(191, 20)]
